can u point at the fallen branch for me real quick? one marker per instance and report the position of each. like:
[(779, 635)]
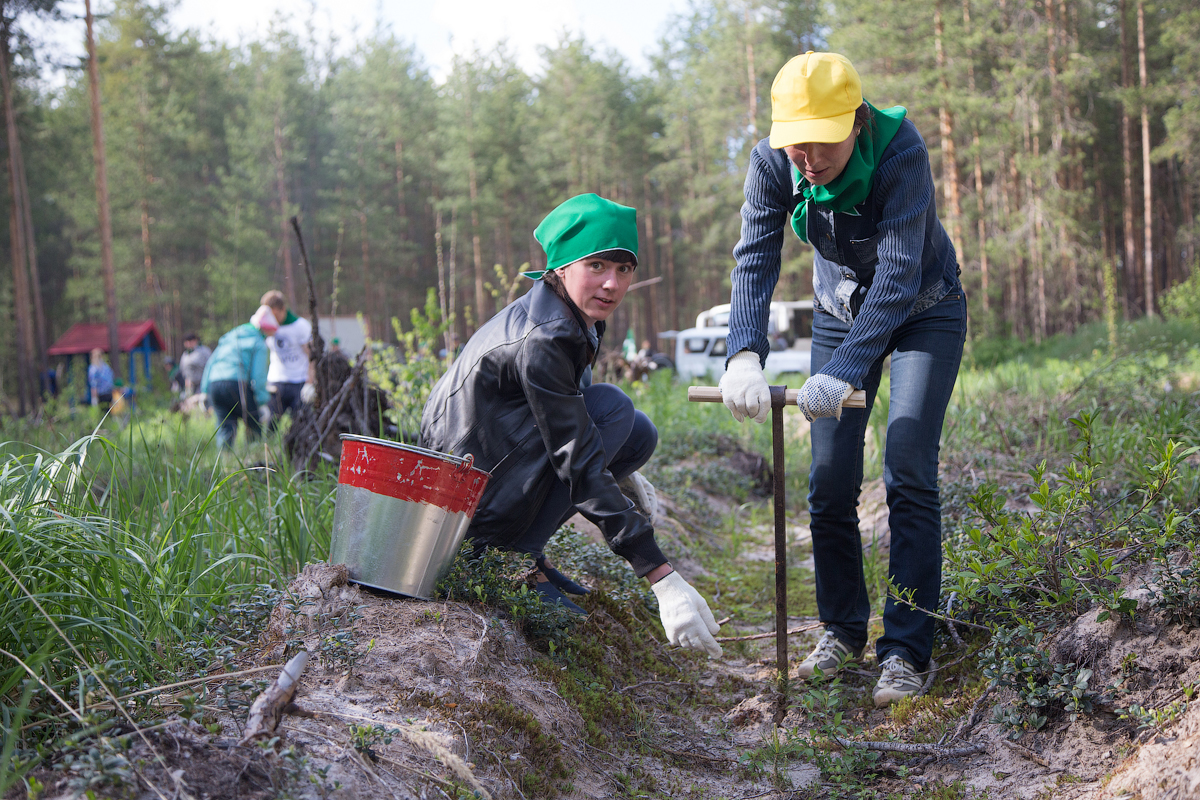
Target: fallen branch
[(969, 722), (771, 634), (932, 673), (268, 707), (653, 683), (424, 741), (950, 619), (1026, 752), (912, 748)]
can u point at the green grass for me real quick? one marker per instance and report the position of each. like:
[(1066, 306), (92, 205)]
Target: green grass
[(145, 551)]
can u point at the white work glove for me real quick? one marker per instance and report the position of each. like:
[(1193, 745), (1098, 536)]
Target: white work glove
[(744, 390), (685, 615), (308, 394), (642, 493), (264, 415), (822, 396)]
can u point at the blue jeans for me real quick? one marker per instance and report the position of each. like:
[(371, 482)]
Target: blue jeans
[(284, 397), (629, 439), (231, 401), (926, 351)]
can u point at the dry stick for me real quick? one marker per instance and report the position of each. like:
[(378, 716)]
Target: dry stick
[(329, 416), (950, 619), (318, 344), (932, 671), (653, 683), (771, 634), (267, 709), (209, 679), (224, 676), (99, 681), (1026, 752), (970, 720), (912, 748), (416, 738), (45, 686)]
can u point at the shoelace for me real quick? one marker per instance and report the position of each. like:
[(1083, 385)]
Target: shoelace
[(827, 647), (893, 672)]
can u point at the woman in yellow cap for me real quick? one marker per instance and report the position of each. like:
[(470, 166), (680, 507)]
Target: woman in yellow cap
[(854, 182), (520, 400)]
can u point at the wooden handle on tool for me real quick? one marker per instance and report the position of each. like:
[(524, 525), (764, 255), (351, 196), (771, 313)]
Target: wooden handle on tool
[(712, 394)]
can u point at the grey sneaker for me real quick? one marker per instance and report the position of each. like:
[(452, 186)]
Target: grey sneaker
[(899, 680), (829, 655)]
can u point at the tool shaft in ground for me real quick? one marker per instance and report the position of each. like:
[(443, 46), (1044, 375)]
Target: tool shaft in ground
[(781, 649)]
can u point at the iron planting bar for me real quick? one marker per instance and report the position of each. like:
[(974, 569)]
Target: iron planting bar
[(780, 396)]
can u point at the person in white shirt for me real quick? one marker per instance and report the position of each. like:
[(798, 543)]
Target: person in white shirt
[(289, 369)]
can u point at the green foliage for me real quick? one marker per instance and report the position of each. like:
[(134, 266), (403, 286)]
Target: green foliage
[(128, 562), (1015, 660), (408, 372), (497, 579), (1182, 302), (1041, 567), (365, 738)]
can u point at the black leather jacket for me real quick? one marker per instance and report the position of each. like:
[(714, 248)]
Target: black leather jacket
[(512, 400)]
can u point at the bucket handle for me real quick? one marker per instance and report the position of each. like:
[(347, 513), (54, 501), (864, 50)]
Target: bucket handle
[(467, 462)]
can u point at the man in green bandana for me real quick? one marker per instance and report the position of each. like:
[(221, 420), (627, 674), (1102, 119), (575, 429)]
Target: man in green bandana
[(854, 182), (521, 401)]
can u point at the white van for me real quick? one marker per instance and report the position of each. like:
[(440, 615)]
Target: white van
[(702, 350)]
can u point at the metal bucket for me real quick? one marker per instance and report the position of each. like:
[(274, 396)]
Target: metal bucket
[(402, 513)]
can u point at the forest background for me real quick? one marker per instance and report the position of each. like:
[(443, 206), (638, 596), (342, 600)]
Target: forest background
[(1064, 137)]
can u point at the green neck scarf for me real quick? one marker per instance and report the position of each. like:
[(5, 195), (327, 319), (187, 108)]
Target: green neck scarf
[(289, 319), (850, 188)]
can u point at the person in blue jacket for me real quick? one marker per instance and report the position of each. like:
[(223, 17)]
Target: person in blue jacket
[(235, 377), (854, 182)]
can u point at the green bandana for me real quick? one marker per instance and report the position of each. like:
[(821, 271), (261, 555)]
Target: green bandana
[(584, 225), (850, 188), (289, 319)]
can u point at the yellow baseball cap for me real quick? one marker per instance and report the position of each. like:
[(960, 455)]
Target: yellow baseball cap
[(813, 99)]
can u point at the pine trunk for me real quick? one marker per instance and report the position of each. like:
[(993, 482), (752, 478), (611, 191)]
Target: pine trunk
[(289, 279), (647, 265), (1147, 186), (980, 208), (369, 290), (946, 129), (1130, 236), (106, 245)]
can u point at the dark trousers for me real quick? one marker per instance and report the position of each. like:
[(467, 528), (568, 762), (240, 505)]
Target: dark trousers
[(926, 351), (231, 401), (629, 439), (284, 397)]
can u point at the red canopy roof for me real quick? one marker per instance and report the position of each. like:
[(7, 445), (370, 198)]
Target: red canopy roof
[(84, 337)]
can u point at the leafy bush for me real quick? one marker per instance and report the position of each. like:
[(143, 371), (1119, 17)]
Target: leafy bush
[(496, 579), (1016, 660), (408, 372), (1182, 301)]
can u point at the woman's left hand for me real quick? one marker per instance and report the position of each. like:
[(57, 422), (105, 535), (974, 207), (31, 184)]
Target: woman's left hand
[(822, 396)]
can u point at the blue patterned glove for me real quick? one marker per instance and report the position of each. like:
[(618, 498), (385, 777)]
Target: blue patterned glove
[(822, 396)]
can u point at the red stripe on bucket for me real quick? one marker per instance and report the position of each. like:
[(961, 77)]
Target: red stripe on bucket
[(395, 471)]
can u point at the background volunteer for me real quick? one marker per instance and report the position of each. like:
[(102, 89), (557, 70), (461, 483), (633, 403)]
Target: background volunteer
[(235, 377), (192, 362), (855, 183), (289, 369), (520, 399)]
